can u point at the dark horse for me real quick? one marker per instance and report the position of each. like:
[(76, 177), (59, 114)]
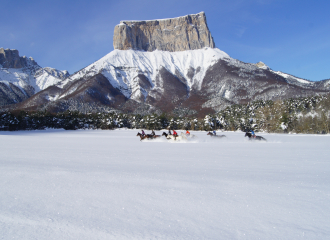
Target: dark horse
[(169, 136), (147, 136), (254, 138), (213, 135)]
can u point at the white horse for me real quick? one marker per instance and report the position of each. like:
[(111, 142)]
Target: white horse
[(187, 137)]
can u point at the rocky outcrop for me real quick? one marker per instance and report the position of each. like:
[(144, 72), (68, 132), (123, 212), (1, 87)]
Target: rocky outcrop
[(175, 34), (9, 58)]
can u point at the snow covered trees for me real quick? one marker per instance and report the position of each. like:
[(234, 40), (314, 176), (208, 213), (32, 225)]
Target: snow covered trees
[(301, 115)]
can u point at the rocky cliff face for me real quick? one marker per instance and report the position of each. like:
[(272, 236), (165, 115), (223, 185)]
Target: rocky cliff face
[(9, 58), (175, 34)]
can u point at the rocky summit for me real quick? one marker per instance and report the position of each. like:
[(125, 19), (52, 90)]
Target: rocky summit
[(189, 32), (9, 58)]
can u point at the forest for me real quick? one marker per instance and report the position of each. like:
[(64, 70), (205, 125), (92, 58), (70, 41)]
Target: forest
[(294, 115)]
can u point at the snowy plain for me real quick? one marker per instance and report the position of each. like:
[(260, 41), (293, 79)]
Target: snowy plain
[(95, 184)]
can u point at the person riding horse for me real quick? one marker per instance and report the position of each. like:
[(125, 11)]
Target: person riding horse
[(250, 136), (253, 134), (175, 134)]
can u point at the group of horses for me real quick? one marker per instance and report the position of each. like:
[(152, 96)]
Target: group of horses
[(182, 136), (186, 137)]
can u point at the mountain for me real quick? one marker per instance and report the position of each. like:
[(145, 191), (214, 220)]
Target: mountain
[(186, 82), (22, 77), (170, 66)]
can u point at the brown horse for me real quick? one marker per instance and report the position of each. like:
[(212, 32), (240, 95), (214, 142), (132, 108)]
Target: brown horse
[(212, 135), (141, 136), (147, 136)]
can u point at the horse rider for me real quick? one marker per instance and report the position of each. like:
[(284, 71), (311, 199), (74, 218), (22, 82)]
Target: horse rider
[(153, 133), (214, 132), (169, 132), (187, 133), (253, 135), (143, 133), (175, 134)]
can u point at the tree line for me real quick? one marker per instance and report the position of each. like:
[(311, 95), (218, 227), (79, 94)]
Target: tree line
[(296, 115)]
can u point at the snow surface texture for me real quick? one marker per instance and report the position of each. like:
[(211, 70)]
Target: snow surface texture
[(58, 184)]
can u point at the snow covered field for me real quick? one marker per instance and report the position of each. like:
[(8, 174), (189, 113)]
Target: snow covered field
[(58, 184)]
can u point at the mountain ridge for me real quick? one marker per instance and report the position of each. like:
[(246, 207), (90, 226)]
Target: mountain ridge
[(22, 77), (207, 79), (168, 70)]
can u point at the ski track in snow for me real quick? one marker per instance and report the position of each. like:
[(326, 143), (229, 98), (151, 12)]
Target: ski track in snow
[(94, 184)]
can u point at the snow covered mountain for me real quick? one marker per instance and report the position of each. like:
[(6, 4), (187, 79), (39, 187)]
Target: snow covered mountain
[(127, 70), (22, 77), (191, 82), (166, 65)]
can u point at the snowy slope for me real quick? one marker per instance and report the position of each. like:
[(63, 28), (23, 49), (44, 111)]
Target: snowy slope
[(163, 81), (291, 78), (47, 76), (121, 67), (18, 84), (22, 77), (39, 78)]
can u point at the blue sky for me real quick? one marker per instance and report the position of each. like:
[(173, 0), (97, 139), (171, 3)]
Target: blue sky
[(288, 36)]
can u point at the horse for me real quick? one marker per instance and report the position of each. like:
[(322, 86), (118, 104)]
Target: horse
[(213, 135), (147, 136), (141, 136), (187, 136), (254, 138), (152, 135), (169, 136)]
